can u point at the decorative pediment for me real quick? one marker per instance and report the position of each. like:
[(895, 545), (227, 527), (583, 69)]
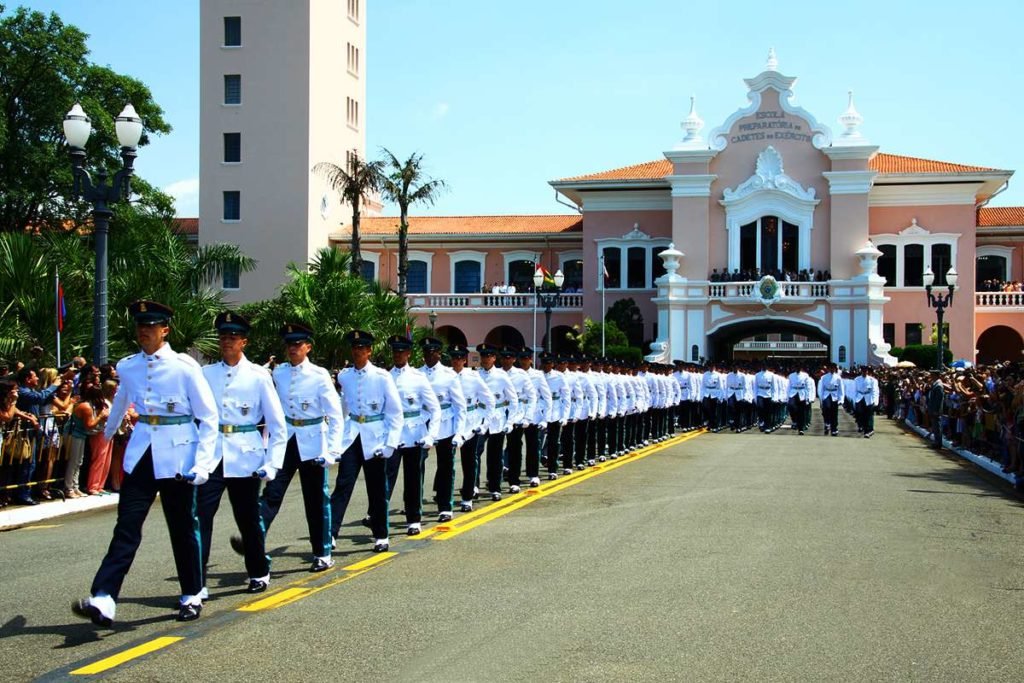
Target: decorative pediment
[(636, 234), (769, 175), (914, 229)]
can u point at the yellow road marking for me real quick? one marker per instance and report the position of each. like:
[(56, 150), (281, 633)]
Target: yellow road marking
[(275, 600), (370, 561), (129, 654), (41, 526), (462, 525)]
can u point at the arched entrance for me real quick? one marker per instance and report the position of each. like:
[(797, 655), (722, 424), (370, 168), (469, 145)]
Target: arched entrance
[(450, 334), (999, 343), (505, 335), (758, 338)]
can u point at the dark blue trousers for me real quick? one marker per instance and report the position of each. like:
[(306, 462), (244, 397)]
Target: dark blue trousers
[(313, 479), (178, 500), (376, 480), (244, 496)]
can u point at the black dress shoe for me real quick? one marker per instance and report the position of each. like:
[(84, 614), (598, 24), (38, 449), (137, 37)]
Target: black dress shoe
[(256, 586), (366, 522), (237, 545), (87, 610), (25, 501), (320, 564), (189, 612)]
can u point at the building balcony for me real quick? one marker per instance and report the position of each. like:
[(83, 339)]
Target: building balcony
[(489, 303), (999, 302), (797, 292), (795, 348)]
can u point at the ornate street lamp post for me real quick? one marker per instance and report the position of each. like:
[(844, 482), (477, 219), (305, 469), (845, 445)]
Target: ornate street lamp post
[(547, 297), (432, 317), (101, 195), (939, 302)]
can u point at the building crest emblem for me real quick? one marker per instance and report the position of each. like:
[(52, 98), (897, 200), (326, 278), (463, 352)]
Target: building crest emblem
[(768, 290)]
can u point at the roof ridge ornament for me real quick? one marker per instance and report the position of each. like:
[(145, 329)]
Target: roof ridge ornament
[(692, 124), (772, 64), (851, 121)]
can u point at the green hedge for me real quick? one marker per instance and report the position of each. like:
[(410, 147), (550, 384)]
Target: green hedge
[(628, 353), (923, 355)]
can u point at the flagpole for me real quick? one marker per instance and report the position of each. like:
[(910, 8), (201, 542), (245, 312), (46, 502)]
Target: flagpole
[(536, 266), (56, 297), (604, 278)]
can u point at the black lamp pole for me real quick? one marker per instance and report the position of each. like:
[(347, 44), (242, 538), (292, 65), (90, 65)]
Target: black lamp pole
[(939, 302), (548, 297)]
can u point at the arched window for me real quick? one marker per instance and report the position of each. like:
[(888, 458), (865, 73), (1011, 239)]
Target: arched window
[(993, 263), (416, 278), (887, 264), (913, 265), (520, 274), (613, 267), (694, 353), (842, 354), (369, 271), (911, 251), (573, 271), (636, 268)]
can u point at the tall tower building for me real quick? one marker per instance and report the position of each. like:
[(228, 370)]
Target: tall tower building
[(282, 88)]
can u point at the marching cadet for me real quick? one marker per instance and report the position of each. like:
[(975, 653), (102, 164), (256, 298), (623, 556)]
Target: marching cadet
[(245, 395), (450, 434), (315, 422), (600, 426), (832, 395), (499, 419), (421, 413), (801, 396), (480, 404), (647, 416), (518, 415), (373, 431), (537, 420), (765, 388), (593, 403), (867, 393), (558, 417), (780, 398), (714, 397), (736, 390), (171, 451), (568, 432), (586, 410)]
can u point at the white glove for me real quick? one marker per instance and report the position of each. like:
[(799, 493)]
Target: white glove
[(508, 429), (543, 426), (328, 459), (457, 441), (427, 444), (269, 472), (387, 451), (565, 422), (201, 476)]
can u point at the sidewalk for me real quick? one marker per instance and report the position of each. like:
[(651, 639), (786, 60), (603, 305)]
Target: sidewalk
[(15, 516), (979, 460)]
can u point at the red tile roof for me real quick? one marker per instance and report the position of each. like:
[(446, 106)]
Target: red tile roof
[(186, 226), (883, 163), (468, 225), (997, 216)]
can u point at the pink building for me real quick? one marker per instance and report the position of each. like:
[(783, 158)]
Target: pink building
[(771, 234)]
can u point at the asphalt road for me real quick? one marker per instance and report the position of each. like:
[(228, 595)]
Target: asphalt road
[(727, 557)]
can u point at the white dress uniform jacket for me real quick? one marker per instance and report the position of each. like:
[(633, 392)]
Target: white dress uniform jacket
[(166, 384), (541, 414), (590, 399), (764, 383), (421, 411), (736, 386), (527, 403), (307, 393), (245, 395), (867, 390), (561, 398), (448, 389), (374, 410), (802, 386), (479, 402), (831, 386), (714, 385), (505, 398)]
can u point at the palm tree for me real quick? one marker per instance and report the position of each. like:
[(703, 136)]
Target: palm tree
[(406, 184), (355, 184)]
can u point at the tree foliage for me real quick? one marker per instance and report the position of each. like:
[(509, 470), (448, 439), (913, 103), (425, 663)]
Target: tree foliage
[(355, 184), (406, 183), (44, 70)]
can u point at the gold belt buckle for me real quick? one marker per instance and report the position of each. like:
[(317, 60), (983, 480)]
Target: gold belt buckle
[(361, 419), (227, 429), (152, 420)]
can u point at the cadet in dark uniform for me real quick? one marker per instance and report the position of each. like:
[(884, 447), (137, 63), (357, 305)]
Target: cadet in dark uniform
[(166, 454)]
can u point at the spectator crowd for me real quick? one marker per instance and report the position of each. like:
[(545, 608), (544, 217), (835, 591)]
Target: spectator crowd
[(1000, 286), (755, 274)]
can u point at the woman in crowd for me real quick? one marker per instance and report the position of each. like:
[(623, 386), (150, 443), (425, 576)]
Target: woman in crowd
[(12, 423), (99, 447), (85, 422), (51, 418)]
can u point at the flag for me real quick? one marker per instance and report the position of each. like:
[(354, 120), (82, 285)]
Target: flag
[(62, 310), (606, 275), (408, 331), (549, 279)]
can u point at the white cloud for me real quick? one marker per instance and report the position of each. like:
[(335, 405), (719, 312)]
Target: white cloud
[(440, 110), (186, 196)]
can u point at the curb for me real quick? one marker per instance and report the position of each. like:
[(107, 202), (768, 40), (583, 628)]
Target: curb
[(16, 516), (981, 461)]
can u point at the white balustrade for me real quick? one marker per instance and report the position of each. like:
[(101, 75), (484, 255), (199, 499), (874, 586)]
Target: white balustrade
[(791, 290), (481, 301), (999, 300)]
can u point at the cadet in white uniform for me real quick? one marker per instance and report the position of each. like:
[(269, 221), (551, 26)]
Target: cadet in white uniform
[(245, 395), (764, 383), (831, 390), (561, 401), (421, 413), (866, 398), (373, 430), (801, 396), (479, 405), (171, 397), (537, 419), (520, 415), (314, 419), (499, 422), (451, 431)]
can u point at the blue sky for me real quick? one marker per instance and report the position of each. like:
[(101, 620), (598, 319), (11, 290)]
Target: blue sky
[(500, 101)]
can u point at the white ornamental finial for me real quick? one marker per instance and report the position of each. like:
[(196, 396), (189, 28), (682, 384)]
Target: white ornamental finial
[(851, 120), (773, 62), (692, 124)]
